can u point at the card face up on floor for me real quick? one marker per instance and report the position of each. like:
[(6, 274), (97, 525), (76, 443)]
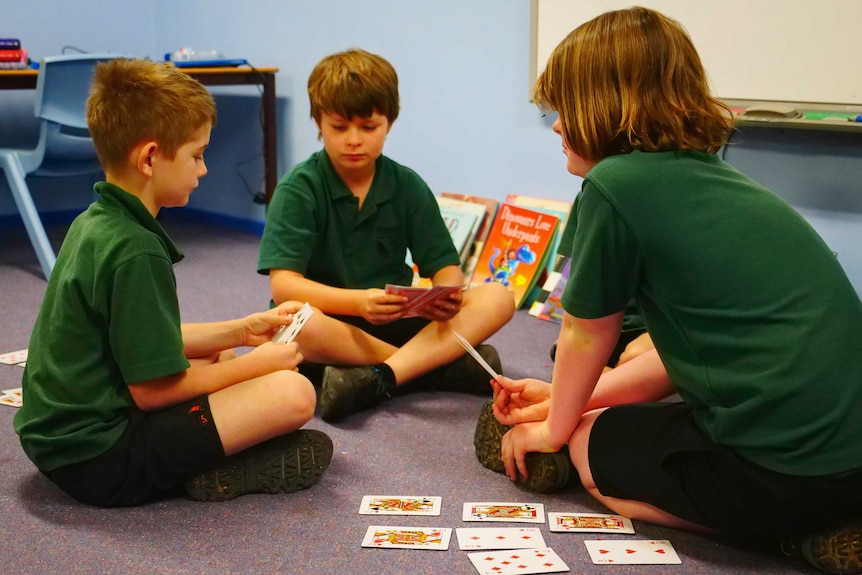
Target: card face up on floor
[(632, 552)]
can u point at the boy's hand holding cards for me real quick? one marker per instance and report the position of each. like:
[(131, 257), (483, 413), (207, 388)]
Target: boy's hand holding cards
[(419, 297), (287, 333)]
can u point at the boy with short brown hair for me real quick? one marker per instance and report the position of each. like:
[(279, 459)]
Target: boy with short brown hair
[(122, 402), (338, 230)]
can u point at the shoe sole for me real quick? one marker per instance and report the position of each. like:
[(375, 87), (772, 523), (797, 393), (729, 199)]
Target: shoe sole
[(548, 472), (281, 465), (839, 553)]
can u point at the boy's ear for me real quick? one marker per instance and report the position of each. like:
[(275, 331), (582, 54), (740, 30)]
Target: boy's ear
[(144, 157)]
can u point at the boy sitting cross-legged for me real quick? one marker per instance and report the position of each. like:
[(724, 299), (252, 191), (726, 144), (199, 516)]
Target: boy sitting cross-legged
[(122, 402), (338, 230)]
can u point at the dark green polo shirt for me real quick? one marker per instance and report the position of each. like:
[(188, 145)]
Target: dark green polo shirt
[(314, 226), (752, 315), (109, 318)]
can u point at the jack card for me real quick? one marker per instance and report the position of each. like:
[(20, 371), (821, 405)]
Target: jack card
[(589, 522), (505, 511), (433, 538), (399, 505), (287, 333), (472, 538), (628, 552), (521, 561)]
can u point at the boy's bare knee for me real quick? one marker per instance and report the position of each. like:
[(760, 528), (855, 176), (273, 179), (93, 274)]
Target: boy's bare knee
[(296, 394)]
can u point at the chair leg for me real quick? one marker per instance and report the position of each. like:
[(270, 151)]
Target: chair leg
[(21, 194)]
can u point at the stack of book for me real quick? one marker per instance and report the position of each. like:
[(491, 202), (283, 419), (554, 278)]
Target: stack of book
[(12, 55)]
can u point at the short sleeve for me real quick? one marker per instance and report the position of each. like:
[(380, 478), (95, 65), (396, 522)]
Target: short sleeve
[(291, 230), (605, 259), (144, 329)]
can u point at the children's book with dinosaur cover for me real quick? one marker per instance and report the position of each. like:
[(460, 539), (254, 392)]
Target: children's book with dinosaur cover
[(516, 250)]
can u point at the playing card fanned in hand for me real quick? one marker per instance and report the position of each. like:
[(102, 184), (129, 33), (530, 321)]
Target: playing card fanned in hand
[(521, 561), (505, 511), (589, 522), (434, 538), (471, 538), (629, 552), (474, 354), (399, 505), (287, 333), (419, 297)]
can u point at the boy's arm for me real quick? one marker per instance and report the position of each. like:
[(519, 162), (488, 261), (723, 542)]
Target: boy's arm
[(163, 392)]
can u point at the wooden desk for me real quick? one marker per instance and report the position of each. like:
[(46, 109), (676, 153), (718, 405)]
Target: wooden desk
[(241, 75)]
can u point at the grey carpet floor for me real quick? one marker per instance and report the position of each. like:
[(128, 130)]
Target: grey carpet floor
[(416, 444)]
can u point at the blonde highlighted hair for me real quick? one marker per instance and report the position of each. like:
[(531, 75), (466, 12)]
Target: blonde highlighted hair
[(133, 100), (354, 83), (631, 80)]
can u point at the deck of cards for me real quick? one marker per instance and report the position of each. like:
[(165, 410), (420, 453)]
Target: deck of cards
[(496, 550), (287, 333), (419, 297)]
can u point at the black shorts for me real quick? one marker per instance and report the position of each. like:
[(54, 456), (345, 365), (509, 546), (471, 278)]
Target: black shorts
[(154, 456), (656, 454)]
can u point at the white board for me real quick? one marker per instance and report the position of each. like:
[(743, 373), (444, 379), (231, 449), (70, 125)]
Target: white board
[(765, 50)]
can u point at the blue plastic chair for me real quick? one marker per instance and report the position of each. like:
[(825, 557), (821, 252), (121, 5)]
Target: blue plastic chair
[(65, 147)]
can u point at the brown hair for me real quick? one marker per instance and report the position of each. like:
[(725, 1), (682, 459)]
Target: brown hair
[(132, 100), (631, 80), (353, 83)]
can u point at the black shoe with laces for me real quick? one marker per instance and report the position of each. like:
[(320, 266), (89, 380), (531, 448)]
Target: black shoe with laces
[(548, 472), (346, 390), (837, 550), (283, 464), (465, 375)]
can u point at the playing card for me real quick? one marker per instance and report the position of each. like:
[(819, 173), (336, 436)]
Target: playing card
[(11, 401), (14, 357), (589, 522), (514, 512), (521, 561), (419, 297), (435, 538), (499, 538), (287, 333), (629, 552), (399, 505), (475, 354)]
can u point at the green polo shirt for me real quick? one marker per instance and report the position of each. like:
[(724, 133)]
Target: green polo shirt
[(314, 226), (109, 318), (751, 313)]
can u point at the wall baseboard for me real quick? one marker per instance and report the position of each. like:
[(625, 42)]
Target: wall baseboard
[(65, 217)]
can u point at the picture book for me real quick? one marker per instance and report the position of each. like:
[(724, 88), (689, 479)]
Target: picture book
[(548, 306), (559, 208), (491, 206), (516, 250), (463, 220)]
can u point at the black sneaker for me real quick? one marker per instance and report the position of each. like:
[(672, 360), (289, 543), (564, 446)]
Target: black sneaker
[(346, 390), (548, 472), (465, 375), (837, 550), (281, 465)]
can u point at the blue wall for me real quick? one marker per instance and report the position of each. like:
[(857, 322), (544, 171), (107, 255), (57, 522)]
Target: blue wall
[(466, 123)]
